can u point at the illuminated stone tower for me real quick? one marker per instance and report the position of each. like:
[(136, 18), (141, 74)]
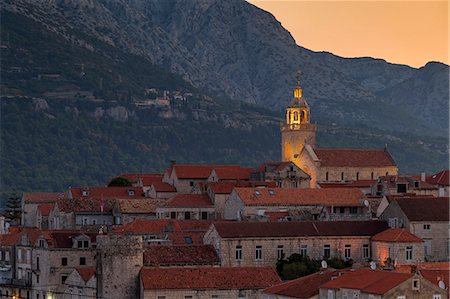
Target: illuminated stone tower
[(297, 130)]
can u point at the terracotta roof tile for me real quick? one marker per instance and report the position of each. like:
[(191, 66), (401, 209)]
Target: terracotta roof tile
[(354, 184), (149, 226), (250, 229), (396, 235), (354, 157), (425, 208), (107, 192), (10, 239), (276, 216), (368, 281), (179, 255), (139, 206), (86, 273), (233, 173), (296, 196), (42, 197), (227, 187), (240, 278), (86, 205), (163, 187), (441, 178), (147, 178), (45, 208), (304, 287), (189, 200)]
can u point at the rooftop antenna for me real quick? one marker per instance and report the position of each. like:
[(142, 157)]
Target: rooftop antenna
[(324, 264), (373, 266)]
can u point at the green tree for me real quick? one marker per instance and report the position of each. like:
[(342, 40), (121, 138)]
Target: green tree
[(14, 208), (119, 182)]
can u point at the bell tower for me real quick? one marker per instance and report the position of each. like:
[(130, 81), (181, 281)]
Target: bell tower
[(297, 130)]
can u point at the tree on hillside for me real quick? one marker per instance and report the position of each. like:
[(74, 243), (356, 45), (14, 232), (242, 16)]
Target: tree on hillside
[(14, 208), (119, 182)]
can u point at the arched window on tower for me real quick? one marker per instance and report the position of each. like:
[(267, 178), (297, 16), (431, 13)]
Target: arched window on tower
[(295, 116), (289, 117), (302, 117)]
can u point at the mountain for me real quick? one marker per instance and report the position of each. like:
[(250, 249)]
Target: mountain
[(77, 74)]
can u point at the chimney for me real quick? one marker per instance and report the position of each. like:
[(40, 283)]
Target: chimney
[(422, 176)]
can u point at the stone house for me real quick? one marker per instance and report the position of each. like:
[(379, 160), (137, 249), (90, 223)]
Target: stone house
[(339, 165), (8, 244), (425, 217), (397, 246), (205, 282), (81, 283), (442, 181), (283, 174), (127, 210), (186, 207), (180, 255), (398, 185), (375, 284), (160, 190), (42, 215), (299, 204), (31, 202), (262, 243)]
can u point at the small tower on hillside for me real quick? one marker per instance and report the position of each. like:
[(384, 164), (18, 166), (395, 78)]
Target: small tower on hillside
[(297, 130)]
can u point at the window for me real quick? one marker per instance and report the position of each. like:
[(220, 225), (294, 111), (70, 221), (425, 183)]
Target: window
[(6, 255), (416, 184), (366, 251), (326, 176), (37, 278), (130, 192), (371, 175), (357, 176), (330, 294), (426, 226), (85, 221), (239, 253), (348, 251), (437, 297), (393, 222), (85, 192), (187, 215), (94, 221), (161, 297), (37, 263), (280, 252), (204, 215), (19, 255), (342, 176), (187, 297), (64, 261), (86, 244), (258, 253), (215, 297), (427, 246), (191, 183), (63, 279), (415, 284), (261, 212), (188, 240), (257, 192), (271, 192), (173, 215), (80, 244), (82, 261), (409, 253), (353, 210), (326, 251), (304, 250), (401, 297), (342, 210), (401, 188)]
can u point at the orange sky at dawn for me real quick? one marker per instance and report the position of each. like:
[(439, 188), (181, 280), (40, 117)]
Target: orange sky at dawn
[(405, 32)]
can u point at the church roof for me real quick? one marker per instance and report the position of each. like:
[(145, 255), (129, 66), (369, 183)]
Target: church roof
[(298, 103), (354, 157)]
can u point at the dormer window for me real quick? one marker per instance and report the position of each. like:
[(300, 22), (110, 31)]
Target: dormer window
[(271, 192), (416, 184), (257, 192), (130, 192), (41, 243), (85, 193)]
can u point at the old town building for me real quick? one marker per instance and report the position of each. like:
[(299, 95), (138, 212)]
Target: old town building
[(186, 207), (283, 174)]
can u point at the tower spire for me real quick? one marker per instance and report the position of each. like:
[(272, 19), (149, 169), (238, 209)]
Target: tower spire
[(298, 89)]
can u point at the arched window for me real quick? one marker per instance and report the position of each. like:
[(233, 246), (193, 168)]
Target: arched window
[(342, 176), (371, 175), (302, 116), (357, 176), (295, 116), (289, 117), (326, 176)]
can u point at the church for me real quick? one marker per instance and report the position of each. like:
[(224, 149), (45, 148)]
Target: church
[(327, 165)]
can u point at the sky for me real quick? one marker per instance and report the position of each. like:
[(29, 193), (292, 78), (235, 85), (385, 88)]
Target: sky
[(406, 32)]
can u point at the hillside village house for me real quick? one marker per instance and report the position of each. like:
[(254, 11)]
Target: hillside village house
[(187, 206), (374, 284), (283, 174), (425, 217), (298, 204), (31, 201), (397, 185), (262, 243), (442, 181), (206, 282), (127, 210), (81, 283)]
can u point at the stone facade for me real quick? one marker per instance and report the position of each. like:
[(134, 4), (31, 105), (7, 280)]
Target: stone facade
[(396, 252), (199, 294)]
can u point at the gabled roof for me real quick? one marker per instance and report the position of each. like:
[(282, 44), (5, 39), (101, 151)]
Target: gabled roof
[(10, 239), (64, 238), (86, 205), (425, 208), (149, 226), (441, 178), (42, 197), (225, 278), (45, 208), (368, 281), (180, 255), (107, 192), (163, 187), (227, 187), (147, 178), (139, 206), (300, 196), (188, 171), (233, 173), (189, 201), (344, 157), (249, 229), (86, 273), (396, 235), (304, 287)]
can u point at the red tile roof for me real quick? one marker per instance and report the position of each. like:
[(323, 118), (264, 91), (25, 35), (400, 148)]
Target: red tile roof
[(147, 178), (225, 278), (396, 235), (354, 157), (296, 196), (42, 197), (250, 229), (441, 178), (227, 187), (10, 239), (354, 184), (86, 273), (163, 187), (187, 171), (64, 238), (45, 208), (304, 287), (194, 225), (425, 208), (139, 206), (190, 201), (233, 173), (149, 226), (368, 281), (276, 216), (180, 255), (107, 192), (86, 205)]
